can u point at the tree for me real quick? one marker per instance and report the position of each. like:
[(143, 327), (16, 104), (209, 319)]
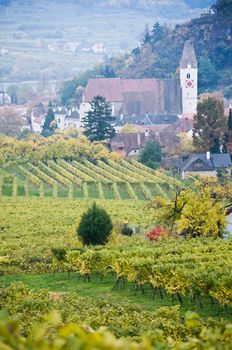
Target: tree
[(229, 123), (95, 226), (209, 126), (11, 122), (97, 121), (151, 154), (49, 124), (157, 32), (208, 76), (194, 213), (146, 37)]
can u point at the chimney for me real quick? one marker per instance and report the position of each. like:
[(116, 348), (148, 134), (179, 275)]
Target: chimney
[(208, 156)]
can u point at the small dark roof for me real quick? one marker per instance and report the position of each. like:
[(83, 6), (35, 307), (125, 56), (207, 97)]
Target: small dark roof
[(61, 111), (162, 118), (199, 162), (73, 115), (152, 119)]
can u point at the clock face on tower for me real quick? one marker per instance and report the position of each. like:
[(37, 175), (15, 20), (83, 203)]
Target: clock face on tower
[(189, 84)]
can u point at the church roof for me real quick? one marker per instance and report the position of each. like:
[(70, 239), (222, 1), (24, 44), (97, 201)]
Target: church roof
[(109, 88), (188, 57)]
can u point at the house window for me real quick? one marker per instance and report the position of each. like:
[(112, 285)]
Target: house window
[(198, 163), (188, 76)]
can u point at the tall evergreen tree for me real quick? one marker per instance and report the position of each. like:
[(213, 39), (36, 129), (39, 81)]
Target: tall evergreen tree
[(49, 124), (230, 120), (157, 32), (147, 37), (209, 127), (97, 122)]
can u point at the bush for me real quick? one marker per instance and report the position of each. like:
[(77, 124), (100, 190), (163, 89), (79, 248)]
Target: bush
[(157, 233), (95, 226), (59, 253), (126, 230)]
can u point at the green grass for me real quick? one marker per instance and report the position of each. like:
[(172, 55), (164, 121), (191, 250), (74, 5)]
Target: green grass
[(97, 288)]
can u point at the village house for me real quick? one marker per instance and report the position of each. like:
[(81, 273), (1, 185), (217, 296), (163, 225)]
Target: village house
[(204, 165), (149, 97)]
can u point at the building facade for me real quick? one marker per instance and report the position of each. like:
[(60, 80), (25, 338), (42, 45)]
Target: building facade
[(141, 97)]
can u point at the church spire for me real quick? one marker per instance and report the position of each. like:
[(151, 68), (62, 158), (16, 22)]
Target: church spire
[(188, 59)]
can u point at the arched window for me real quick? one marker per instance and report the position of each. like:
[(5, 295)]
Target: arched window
[(188, 76)]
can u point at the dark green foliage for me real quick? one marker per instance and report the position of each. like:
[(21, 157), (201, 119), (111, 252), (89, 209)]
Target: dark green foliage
[(95, 226), (157, 32), (209, 128), (230, 120), (147, 37), (49, 124), (208, 76), (127, 230), (97, 122), (59, 253), (151, 154), (14, 98)]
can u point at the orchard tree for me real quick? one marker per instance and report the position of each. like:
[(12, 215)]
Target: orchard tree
[(151, 155), (195, 213), (97, 121), (95, 226), (209, 126)]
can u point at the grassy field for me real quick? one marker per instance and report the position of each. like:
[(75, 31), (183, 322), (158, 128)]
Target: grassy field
[(102, 289)]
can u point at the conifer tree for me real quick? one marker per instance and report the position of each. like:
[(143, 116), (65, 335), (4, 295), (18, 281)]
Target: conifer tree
[(95, 226), (230, 120), (97, 122), (49, 124), (157, 32)]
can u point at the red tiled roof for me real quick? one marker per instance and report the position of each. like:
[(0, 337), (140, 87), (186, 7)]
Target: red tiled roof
[(114, 88), (109, 88), (138, 85)]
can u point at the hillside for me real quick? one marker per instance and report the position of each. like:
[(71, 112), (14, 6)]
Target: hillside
[(160, 53), (42, 42)]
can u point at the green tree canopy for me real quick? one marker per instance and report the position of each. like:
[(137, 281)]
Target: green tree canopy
[(97, 121), (49, 124), (209, 127), (151, 154), (95, 226), (208, 76)]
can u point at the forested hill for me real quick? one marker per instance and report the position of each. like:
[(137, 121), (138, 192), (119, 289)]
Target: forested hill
[(159, 55)]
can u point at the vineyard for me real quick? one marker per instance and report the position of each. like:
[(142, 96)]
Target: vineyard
[(146, 293), (103, 179)]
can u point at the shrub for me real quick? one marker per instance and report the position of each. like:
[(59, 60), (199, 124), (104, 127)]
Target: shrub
[(126, 230), (95, 226), (158, 232), (59, 253)]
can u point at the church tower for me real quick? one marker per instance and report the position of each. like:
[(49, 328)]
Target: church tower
[(188, 79)]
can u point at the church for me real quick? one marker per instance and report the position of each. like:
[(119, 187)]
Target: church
[(149, 97)]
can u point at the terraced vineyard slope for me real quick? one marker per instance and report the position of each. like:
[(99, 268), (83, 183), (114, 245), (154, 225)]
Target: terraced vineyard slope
[(103, 180)]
